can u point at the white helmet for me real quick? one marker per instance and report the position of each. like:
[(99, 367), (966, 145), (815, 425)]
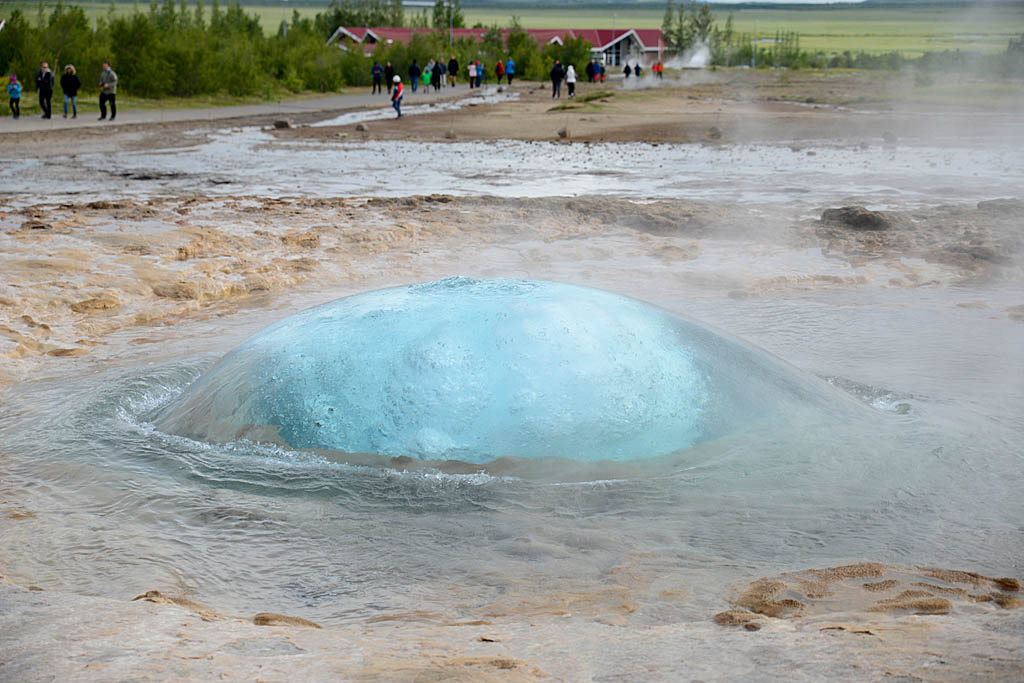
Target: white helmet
[(397, 79)]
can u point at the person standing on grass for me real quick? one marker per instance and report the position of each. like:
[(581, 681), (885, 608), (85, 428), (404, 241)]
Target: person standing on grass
[(14, 96), (510, 69), (44, 84), (414, 74), (389, 75), (396, 97), (570, 80), (108, 92), (70, 83)]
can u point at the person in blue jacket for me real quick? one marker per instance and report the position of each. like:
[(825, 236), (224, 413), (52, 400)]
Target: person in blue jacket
[(14, 95), (510, 70), (378, 73)]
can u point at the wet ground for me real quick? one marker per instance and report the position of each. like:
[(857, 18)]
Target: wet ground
[(141, 267)]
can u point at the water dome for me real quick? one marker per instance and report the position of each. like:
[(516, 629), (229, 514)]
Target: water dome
[(474, 370)]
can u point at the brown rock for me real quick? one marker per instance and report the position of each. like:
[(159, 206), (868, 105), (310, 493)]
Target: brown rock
[(176, 290), (272, 619), (308, 240), (100, 303), (283, 123), (856, 218)]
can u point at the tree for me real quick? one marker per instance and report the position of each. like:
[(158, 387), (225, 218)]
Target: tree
[(448, 13)]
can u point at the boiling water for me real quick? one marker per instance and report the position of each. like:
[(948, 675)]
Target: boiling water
[(923, 463), (925, 469)]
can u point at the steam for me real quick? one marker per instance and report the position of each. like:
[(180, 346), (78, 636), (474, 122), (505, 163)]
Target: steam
[(696, 57)]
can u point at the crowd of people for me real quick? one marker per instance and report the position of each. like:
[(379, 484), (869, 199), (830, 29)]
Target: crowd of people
[(437, 74), (70, 84)]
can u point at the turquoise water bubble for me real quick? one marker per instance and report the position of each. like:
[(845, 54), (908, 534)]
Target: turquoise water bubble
[(474, 370)]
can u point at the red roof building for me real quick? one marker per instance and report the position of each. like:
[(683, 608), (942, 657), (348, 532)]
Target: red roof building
[(612, 47)]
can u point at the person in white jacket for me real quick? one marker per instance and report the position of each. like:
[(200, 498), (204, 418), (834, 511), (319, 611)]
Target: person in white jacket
[(570, 79)]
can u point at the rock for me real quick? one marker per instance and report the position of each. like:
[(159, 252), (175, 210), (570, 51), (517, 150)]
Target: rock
[(272, 619), (283, 123), (36, 225), (715, 133), (342, 135), (856, 218), (563, 132), (449, 134), (100, 303), (309, 240), (176, 290), (1007, 207), (501, 89), (362, 127)]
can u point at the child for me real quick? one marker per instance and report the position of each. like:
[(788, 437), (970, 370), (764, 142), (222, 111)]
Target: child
[(396, 97), (14, 95)]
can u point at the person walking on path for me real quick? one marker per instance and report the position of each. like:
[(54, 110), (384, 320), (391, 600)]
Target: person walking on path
[(627, 71), (570, 80), (396, 97), (414, 74), (108, 92), (557, 74), (389, 75), (438, 76), (637, 70), (44, 84), (70, 84), (377, 71), (499, 70), (590, 71), (14, 95), (453, 70), (479, 73), (471, 71), (510, 70)]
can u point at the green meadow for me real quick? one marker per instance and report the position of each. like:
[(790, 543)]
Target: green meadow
[(911, 31)]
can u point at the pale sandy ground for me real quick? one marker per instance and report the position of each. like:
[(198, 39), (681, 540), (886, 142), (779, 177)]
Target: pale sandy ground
[(81, 281)]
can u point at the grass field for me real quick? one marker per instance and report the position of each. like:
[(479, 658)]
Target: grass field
[(911, 31)]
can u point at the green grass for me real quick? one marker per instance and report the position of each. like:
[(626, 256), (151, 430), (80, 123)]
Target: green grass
[(911, 31)]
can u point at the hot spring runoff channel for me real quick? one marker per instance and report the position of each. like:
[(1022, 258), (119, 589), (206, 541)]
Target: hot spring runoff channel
[(917, 461)]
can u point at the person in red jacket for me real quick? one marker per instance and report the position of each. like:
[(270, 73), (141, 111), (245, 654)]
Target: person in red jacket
[(396, 96)]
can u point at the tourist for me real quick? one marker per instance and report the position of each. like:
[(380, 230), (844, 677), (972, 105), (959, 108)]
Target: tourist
[(471, 70), (510, 69), (479, 73), (557, 74), (414, 74), (396, 97), (438, 75), (627, 70), (591, 71), (378, 73), (108, 92), (659, 70), (14, 95), (499, 70), (600, 71), (44, 84), (637, 70), (570, 80), (70, 84), (389, 75), (453, 70)]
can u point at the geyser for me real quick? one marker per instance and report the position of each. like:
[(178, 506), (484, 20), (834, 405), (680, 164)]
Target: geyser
[(474, 370)]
